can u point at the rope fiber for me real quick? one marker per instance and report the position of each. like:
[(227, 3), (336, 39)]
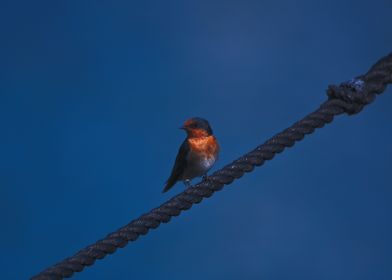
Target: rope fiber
[(349, 97)]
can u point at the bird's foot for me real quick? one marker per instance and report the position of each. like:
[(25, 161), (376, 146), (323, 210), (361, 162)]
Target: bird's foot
[(204, 178), (187, 183)]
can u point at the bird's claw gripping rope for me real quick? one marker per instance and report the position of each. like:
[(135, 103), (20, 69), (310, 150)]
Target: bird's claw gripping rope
[(350, 97)]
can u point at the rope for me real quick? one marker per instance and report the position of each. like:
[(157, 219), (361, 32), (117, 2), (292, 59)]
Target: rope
[(349, 97)]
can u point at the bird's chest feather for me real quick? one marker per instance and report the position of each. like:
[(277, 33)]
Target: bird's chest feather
[(203, 151)]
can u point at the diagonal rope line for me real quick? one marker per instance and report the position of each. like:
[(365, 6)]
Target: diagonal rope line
[(349, 97)]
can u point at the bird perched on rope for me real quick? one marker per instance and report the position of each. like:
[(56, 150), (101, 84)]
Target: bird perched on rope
[(196, 155)]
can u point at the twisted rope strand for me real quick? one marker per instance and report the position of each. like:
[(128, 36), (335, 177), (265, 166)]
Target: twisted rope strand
[(349, 97)]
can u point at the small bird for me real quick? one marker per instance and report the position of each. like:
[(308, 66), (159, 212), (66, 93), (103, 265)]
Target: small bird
[(196, 155)]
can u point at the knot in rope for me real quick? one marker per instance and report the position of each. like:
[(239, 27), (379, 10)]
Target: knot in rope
[(352, 92)]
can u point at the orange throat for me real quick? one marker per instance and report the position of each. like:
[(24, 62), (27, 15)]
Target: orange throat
[(207, 146), (197, 133)]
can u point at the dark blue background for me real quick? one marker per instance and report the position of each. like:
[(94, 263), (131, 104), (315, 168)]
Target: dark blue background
[(91, 97)]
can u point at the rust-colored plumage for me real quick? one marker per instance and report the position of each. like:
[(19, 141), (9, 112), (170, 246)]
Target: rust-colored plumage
[(196, 155), (207, 146)]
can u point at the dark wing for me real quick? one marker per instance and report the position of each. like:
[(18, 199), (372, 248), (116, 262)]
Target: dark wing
[(179, 166)]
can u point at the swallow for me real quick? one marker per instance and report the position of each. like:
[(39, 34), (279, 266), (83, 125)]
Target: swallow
[(197, 154)]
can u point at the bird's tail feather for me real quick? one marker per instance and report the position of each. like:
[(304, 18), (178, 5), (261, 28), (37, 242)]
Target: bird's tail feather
[(170, 183)]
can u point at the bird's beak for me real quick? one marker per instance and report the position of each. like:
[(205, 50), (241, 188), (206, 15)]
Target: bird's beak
[(182, 127)]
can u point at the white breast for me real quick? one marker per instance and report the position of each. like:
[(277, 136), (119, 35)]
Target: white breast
[(197, 166), (207, 163)]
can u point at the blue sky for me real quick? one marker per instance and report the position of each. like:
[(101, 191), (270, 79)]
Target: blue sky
[(91, 97)]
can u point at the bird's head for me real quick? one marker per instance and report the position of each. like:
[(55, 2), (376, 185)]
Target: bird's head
[(197, 127)]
